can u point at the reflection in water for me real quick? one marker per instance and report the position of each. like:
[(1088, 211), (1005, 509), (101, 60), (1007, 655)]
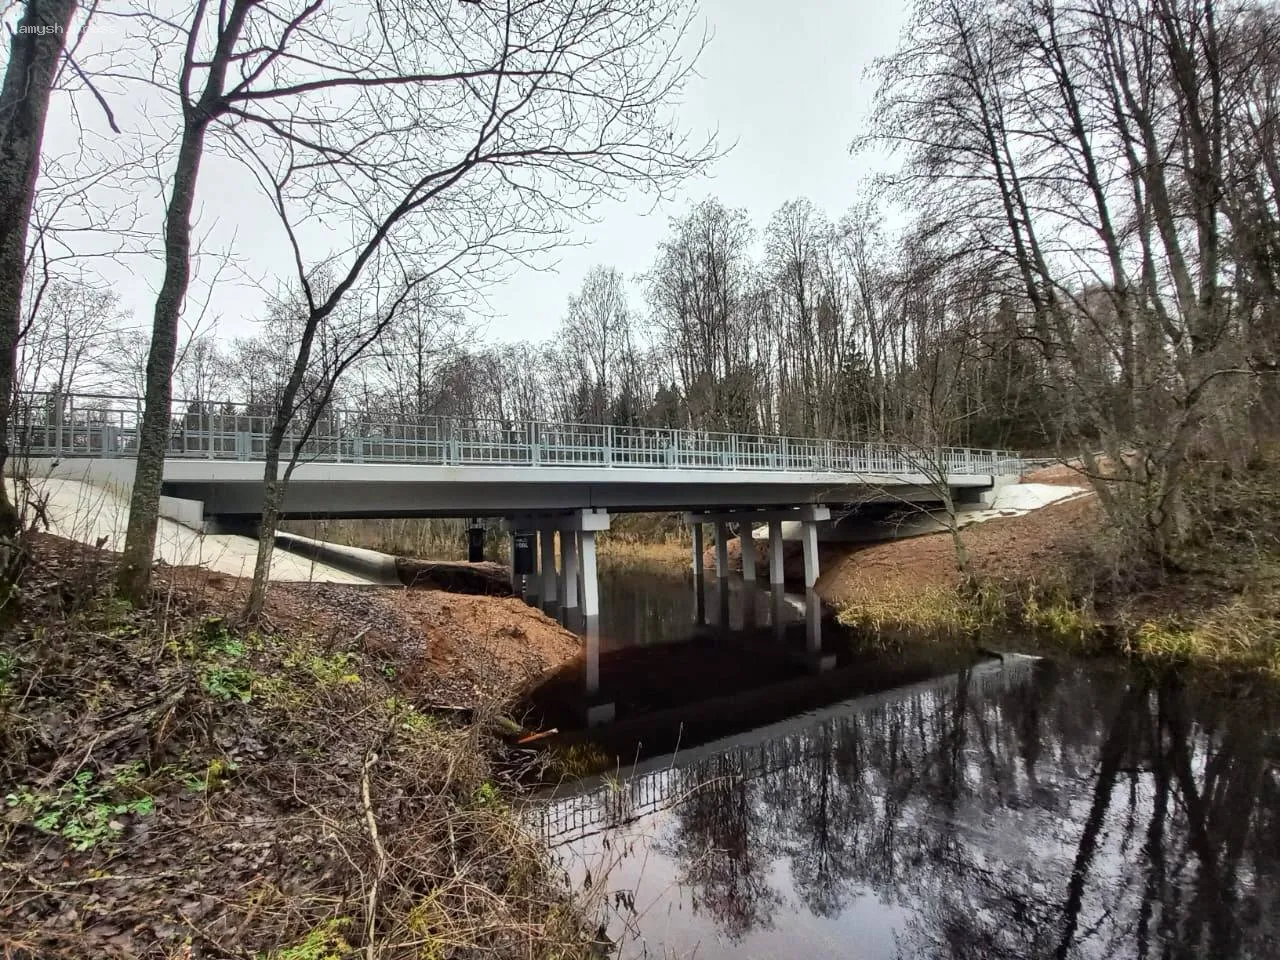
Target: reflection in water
[(649, 605), (1003, 814)]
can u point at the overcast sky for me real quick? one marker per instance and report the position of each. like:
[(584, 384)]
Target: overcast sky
[(783, 83)]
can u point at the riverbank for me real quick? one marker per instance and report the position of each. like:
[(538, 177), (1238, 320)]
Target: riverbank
[(176, 786), (1058, 579)]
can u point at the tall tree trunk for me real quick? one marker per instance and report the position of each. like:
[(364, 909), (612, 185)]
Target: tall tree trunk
[(272, 489), (273, 484), (134, 578), (34, 50)]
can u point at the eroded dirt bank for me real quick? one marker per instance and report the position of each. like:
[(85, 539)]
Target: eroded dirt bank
[(455, 649)]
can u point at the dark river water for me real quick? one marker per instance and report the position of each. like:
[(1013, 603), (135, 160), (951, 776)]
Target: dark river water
[(1016, 809)]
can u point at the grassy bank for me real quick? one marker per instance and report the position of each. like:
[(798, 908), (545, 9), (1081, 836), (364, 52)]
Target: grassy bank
[(1239, 633), (1215, 606), (177, 787)]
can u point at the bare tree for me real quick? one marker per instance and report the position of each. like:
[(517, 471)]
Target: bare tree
[(70, 341), (463, 134), (698, 291), (328, 345), (1087, 149), (35, 50), (597, 330)]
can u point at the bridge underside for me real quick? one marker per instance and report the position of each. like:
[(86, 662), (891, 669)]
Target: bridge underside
[(233, 489), (354, 501), (334, 491)]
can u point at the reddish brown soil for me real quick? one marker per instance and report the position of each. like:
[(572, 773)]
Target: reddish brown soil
[(1060, 473), (1010, 548), (458, 650)]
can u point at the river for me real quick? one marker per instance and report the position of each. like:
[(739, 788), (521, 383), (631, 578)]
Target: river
[(1015, 809)]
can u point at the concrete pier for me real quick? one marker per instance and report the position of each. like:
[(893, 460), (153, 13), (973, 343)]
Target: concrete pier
[(568, 576), (809, 538), (722, 549), (776, 575), (547, 543), (747, 547), (699, 584)]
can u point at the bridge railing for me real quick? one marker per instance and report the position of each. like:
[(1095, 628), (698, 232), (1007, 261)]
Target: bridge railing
[(66, 425)]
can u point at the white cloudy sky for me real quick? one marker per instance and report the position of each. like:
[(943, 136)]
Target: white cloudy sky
[(783, 82)]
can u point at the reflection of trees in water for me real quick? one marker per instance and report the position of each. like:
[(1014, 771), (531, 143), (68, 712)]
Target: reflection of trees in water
[(717, 844), (1067, 816)]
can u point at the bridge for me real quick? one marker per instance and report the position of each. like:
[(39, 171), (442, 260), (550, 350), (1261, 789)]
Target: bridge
[(549, 481)]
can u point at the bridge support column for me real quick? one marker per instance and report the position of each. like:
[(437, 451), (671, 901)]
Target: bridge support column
[(816, 660), (747, 545), (517, 580), (569, 576), (699, 587), (778, 607), (723, 605), (533, 580), (579, 581), (722, 549), (591, 611), (547, 542), (776, 574), (582, 580), (809, 537)]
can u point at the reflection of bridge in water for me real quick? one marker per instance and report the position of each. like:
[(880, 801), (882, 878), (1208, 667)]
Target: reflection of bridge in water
[(603, 803)]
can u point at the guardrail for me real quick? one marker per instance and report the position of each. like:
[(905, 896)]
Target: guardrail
[(81, 425)]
